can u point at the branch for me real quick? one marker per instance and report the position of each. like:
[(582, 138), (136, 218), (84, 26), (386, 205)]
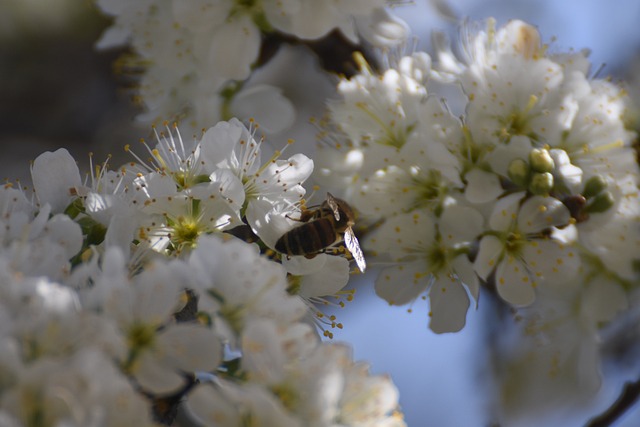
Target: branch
[(628, 397)]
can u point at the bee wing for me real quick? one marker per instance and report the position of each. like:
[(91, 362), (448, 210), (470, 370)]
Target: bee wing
[(334, 206), (351, 242)]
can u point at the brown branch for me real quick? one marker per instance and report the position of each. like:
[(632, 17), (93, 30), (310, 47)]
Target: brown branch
[(628, 397)]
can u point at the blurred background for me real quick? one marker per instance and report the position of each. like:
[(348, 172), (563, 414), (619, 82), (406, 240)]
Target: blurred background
[(56, 91)]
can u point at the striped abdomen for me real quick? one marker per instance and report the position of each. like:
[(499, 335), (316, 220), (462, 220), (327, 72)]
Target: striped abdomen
[(309, 238)]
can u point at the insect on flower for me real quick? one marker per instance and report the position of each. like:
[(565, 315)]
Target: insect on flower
[(323, 227)]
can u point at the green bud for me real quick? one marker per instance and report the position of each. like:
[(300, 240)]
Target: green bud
[(594, 186), (519, 172), (541, 160), (541, 183), (601, 203)]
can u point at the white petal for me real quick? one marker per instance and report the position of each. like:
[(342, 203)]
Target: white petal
[(539, 213), (514, 283), (56, 298), (234, 47), (464, 269), (449, 67), (295, 170), (381, 195), (501, 157), (571, 175), (482, 186), (603, 300), (191, 347), (549, 260), (55, 177), (120, 232), (66, 232), (417, 66), (200, 15), (113, 36), (229, 186), (328, 281), (448, 302), (398, 233), (490, 250), (273, 111), (218, 143), (267, 223), (460, 224), (505, 212), (280, 13), (153, 185), (156, 294), (299, 265), (262, 355), (154, 376), (403, 283), (382, 29), (211, 406)]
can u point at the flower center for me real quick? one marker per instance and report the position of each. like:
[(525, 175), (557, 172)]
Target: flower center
[(288, 396), (141, 336), (295, 283), (513, 242), (438, 258), (185, 231), (431, 190), (515, 124)]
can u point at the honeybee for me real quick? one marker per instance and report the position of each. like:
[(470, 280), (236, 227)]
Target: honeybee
[(323, 227)]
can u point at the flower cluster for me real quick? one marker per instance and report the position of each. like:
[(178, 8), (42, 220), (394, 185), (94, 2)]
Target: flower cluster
[(197, 56), (190, 278), (534, 188), (129, 291)]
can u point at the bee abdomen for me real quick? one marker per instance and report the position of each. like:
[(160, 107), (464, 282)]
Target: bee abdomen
[(308, 238)]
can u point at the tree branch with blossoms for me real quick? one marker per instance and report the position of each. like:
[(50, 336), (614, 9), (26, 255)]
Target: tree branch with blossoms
[(194, 279)]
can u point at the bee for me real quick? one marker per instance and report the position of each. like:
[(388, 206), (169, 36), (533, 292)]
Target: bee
[(323, 227)]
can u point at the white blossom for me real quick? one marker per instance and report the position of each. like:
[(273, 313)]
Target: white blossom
[(430, 257), (518, 251)]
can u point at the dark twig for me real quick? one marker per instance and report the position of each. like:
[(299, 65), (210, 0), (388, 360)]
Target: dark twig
[(628, 397)]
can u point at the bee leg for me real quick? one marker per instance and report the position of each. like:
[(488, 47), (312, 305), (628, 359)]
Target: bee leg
[(305, 216), (333, 250)]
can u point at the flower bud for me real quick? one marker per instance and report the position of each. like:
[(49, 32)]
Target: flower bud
[(541, 160), (594, 186), (518, 172), (541, 183), (601, 203)]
